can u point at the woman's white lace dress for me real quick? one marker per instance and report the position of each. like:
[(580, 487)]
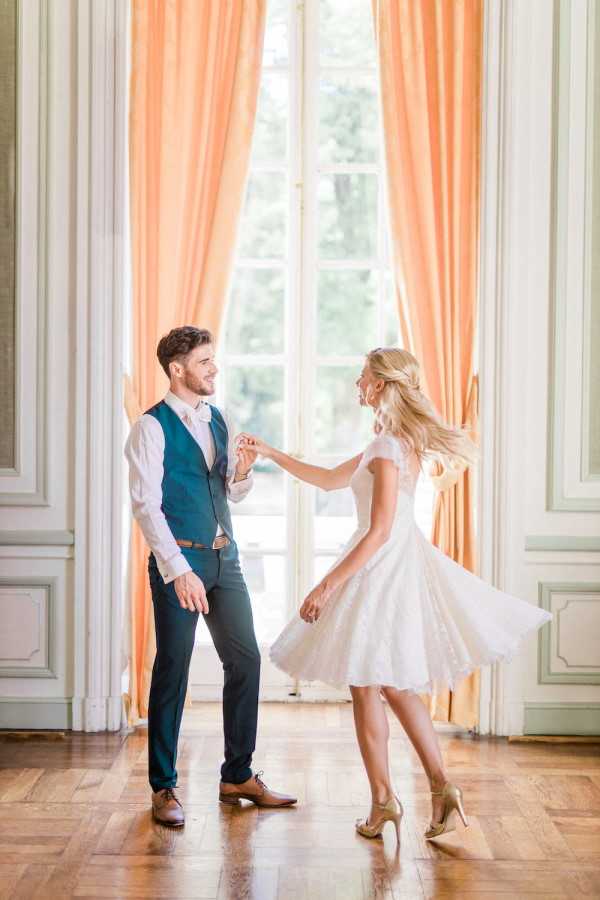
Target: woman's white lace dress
[(411, 618)]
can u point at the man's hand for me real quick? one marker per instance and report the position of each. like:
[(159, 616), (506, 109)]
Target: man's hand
[(246, 457), (191, 593)]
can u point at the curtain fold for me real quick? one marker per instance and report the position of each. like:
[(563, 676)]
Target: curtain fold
[(430, 70), (195, 74)]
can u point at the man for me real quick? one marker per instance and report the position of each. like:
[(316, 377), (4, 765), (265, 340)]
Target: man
[(183, 469)]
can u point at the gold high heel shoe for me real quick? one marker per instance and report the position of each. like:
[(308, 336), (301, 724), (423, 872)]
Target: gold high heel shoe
[(391, 811), (452, 803)]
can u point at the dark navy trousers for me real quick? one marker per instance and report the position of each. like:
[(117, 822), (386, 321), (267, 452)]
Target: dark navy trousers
[(232, 630)]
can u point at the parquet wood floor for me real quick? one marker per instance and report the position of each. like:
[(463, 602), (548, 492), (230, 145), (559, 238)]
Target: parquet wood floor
[(75, 820)]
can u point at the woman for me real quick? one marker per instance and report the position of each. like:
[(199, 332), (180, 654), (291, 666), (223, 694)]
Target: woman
[(395, 616)]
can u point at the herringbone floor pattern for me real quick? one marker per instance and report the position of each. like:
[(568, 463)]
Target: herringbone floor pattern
[(75, 820)]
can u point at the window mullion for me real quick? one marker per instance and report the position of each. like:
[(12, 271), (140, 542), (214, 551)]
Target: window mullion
[(306, 337), (294, 522)]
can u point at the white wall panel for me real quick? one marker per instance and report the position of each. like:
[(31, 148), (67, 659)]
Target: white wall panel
[(40, 540), (533, 381)]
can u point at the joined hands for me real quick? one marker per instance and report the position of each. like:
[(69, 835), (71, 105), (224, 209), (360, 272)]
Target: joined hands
[(249, 443)]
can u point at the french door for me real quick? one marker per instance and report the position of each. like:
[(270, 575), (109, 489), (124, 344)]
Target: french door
[(311, 294)]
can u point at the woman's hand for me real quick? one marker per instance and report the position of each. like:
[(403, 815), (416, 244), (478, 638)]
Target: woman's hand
[(313, 605), (253, 444)]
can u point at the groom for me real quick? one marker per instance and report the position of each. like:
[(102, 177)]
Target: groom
[(183, 468)]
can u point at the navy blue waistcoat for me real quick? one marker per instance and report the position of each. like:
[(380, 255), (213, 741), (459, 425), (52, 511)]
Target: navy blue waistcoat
[(194, 497)]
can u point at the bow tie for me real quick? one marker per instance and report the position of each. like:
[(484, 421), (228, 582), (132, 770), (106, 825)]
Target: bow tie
[(201, 414)]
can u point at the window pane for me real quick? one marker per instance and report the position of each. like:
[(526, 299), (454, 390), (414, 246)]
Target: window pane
[(266, 580), (275, 50), (348, 216), (347, 312), (255, 397), (255, 317), (348, 119), (322, 564), (335, 519), (341, 425), (259, 519), (391, 314), (263, 226), (270, 134), (346, 33)]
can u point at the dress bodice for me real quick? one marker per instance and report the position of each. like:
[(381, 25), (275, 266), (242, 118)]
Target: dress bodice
[(385, 446)]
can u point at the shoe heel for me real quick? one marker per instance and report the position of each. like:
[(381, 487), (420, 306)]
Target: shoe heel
[(229, 801), (461, 812), (397, 821), (456, 799)]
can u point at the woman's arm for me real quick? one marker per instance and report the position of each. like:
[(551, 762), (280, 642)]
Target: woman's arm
[(383, 509), (326, 479)]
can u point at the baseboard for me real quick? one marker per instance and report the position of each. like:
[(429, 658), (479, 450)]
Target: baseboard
[(213, 693), (562, 718), (49, 714), (93, 714), (553, 739)]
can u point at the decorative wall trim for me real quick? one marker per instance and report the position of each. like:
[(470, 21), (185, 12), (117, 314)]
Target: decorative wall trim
[(102, 92), (53, 713), (562, 718), (493, 325), (551, 633), (568, 487), (590, 294), (556, 543), (36, 538), (49, 583), (26, 484)]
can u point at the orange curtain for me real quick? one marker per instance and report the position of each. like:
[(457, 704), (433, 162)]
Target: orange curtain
[(195, 75), (430, 65)]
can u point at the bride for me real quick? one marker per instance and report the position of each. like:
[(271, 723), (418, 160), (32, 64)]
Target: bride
[(394, 616)]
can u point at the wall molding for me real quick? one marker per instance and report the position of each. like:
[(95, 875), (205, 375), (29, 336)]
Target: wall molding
[(26, 484), (50, 714), (23, 538), (568, 487), (102, 183), (493, 325), (551, 633), (557, 543), (50, 584), (561, 718)]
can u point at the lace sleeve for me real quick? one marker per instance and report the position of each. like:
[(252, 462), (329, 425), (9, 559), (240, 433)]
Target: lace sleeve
[(387, 447)]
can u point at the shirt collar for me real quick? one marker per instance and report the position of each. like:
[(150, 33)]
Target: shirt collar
[(182, 408)]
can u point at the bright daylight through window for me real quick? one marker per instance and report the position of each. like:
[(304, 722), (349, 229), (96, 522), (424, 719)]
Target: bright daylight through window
[(311, 293)]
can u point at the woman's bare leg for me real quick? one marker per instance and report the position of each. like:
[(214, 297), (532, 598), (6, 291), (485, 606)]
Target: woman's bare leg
[(416, 721), (373, 732)]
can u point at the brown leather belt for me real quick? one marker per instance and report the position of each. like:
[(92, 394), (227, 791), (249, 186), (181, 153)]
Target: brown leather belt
[(221, 541)]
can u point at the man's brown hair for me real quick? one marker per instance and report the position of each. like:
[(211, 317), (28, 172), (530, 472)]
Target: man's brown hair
[(179, 342)]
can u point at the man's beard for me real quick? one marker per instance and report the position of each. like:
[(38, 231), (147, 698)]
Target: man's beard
[(194, 384)]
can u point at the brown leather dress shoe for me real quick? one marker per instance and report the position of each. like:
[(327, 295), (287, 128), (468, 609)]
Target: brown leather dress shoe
[(167, 809), (254, 790)]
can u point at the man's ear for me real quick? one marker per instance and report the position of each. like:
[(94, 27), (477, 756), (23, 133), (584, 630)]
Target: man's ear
[(175, 369)]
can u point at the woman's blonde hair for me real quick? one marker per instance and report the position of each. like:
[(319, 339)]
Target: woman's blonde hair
[(405, 411)]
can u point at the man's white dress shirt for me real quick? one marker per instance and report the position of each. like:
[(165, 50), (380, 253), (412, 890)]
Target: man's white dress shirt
[(144, 450)]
